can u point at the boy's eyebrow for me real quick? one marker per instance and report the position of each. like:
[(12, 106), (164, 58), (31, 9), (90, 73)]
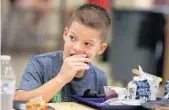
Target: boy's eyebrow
[(73, 33), (91, 41), (76, 36)]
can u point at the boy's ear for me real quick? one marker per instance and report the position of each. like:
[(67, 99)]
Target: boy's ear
[(102, 48), (65, 33)]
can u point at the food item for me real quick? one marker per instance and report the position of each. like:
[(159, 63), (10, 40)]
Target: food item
[(36, 105), (115, 92), (166, 94), (132, 88), (138, 89), (111, 94), (88, 93), (153, 80), (147, 76)]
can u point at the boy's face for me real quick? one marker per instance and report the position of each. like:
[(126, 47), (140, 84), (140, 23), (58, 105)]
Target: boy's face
[(80, 39)]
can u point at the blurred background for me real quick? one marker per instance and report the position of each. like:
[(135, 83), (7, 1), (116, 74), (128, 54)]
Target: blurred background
[(139, 34)]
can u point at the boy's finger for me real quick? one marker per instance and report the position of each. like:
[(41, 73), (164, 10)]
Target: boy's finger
[(81, 59), (81, 67), (79, 64), (79, 55)]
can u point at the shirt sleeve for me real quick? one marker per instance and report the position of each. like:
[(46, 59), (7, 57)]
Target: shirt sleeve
[(32, 77)]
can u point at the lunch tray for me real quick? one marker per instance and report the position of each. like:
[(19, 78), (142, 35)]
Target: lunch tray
[(96, 103)]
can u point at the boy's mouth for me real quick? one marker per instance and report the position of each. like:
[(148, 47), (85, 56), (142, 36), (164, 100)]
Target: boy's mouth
[(75, 54), (71, 54)]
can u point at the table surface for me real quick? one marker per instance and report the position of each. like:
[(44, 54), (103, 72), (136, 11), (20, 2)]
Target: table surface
[(77, 106), (70, 106)]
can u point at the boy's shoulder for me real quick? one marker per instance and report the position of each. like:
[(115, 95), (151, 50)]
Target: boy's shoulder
[(48, 58), (48, 55)]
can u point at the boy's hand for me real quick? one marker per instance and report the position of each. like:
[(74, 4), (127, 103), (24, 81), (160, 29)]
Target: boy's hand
[(72, 65)]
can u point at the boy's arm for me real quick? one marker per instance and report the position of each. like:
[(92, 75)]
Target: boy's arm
[(30, 86), (47, 91)]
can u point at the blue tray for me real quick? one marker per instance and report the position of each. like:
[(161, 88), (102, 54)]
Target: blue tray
[(96, 103)]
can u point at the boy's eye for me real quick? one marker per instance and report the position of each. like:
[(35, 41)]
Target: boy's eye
[(72, 38), (88, 44)]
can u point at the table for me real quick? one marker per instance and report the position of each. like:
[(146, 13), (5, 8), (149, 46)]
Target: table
[(77, 106), (20, 105), (70, 106)]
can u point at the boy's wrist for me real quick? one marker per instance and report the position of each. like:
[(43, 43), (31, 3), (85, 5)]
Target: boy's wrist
[(60, 79)]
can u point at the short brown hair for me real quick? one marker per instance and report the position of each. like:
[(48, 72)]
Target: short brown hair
[(92, 16)]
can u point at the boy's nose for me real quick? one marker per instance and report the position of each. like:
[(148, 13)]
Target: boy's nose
[(77, 47)]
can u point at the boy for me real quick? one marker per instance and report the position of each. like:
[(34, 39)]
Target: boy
[(59, 75)]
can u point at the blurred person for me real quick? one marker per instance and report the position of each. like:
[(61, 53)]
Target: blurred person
[(166, 52), (103, 3), (151, 37), (56, 76), (41, 8), (19, 24)]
